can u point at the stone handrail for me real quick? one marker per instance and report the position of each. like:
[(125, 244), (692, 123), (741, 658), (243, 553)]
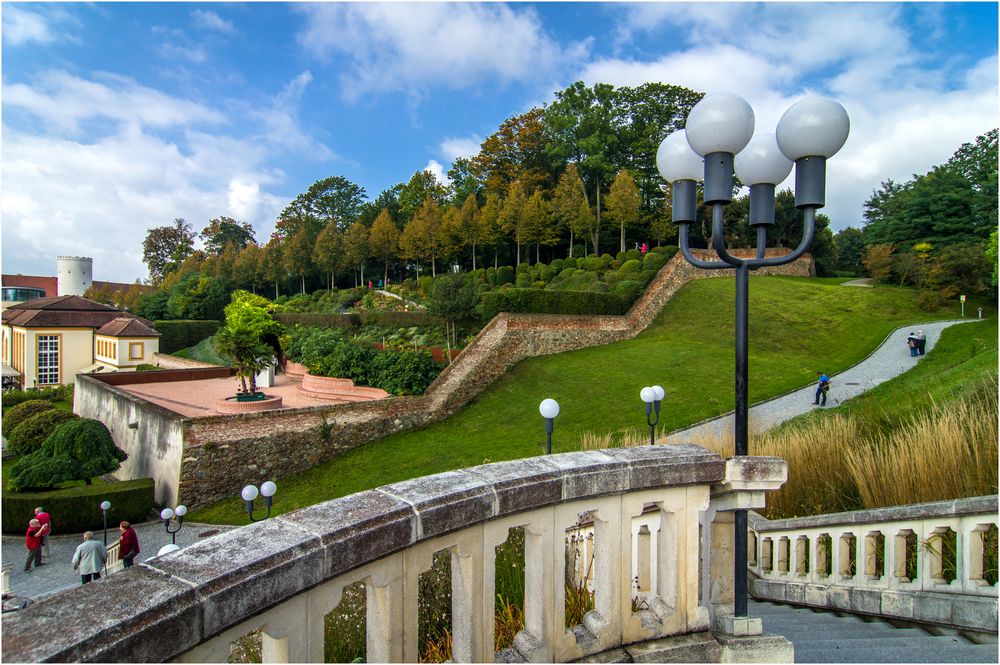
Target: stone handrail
[(283, 575), (113, 564), (926, 562)]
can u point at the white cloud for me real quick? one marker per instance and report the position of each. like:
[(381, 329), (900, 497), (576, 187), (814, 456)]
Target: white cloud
[(437, 170), (209, 20), (455, 147), (408, 47), (195, 54), (22, 27), (97, 195)]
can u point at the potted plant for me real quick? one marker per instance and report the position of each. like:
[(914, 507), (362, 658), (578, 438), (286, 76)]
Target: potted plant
[(241, 340)]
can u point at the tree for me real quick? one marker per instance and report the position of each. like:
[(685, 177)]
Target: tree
[(511, 214), (223, 230), (272, 267), (464, 182), (453, 297), (356, 250), (490, 229), (166, 247), (421, 237), (569, 203), (623, 202), (661, 225), (328, 254), (976, 163), (384, 241), (878, 261), (469, 224), (332, 200), (535, 225), (850, 247), (298, 256), (388, 199), (198, 296), (517, 151), (422, 185), (78, 449), (991, 254), (451, 238), (960, 269), (241, 339), (246, 268)]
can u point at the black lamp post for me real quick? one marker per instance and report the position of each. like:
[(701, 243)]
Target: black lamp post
[(549, 408), (652, 395), (249, 495), (717, 138), (105, 507), (166, 514)]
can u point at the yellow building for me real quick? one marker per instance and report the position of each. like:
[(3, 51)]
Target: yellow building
[(48, 341)]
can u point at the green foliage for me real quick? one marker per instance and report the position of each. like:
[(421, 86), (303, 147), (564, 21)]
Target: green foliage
[(76, 508), (654, 260), (403, 372), (991, 254), (166, 247), (30, 435), (308, 344), (224, 230), (850, 250), (77, 449), (960, 269), (397, 372), (153, 305), (177, 335), (453, 297), (56, 394), (198, 296), (545, 301), (242, 339), (22, 412)]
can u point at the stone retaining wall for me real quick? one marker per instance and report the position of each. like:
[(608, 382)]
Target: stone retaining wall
[(269, 445)]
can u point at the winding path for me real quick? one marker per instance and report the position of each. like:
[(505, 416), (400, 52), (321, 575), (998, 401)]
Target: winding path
[(888, 361)]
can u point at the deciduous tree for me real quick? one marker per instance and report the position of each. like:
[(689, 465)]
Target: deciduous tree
[(623, 202), (878, 261), (166, 247), (511, 214), (356, 250), (222, 230), (329, 252), (384, 241), (333, 200), (298, 256)]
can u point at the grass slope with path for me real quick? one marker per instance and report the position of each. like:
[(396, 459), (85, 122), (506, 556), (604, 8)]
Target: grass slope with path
[(797, 326)]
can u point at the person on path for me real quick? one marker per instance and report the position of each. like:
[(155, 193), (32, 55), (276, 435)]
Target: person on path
[(644, 249), (89, 558), (911, 342), (46, 521), (128, 546), (921, 342), (33, 541), (822, 388)]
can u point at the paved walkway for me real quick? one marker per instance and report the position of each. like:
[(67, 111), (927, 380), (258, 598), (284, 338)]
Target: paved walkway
[(888, 361), (58, 574)]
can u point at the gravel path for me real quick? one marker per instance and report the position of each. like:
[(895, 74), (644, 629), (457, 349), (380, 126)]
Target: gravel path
[(888, 361)]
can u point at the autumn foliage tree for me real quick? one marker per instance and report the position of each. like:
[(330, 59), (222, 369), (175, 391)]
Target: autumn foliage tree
[(384, 240)]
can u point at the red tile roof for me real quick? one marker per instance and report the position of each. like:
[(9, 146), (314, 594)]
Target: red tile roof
[(127, 326), (62, 312), (47, 284)]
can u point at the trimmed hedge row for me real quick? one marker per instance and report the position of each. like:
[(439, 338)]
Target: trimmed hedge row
[(351, 320), (180, 334), (77, 509), (15, 397), (544, 301)]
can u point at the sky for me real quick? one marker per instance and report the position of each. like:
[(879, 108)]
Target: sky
[(121, 117)]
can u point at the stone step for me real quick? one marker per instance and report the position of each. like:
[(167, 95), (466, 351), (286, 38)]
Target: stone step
[(801, 633), (927, 649), (817, 619)]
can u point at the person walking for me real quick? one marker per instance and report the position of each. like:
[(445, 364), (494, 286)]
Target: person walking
[(921, 342), (46, 521), (911, 341), (128, 544), (822, 387), (33, 542), (89, 558)]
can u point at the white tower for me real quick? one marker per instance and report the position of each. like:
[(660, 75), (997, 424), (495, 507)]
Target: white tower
[(75, 274)]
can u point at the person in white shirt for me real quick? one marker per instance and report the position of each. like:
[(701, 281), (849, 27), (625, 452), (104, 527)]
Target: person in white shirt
[(90, 557)]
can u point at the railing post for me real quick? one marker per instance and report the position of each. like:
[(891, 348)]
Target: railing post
[(384, 612)]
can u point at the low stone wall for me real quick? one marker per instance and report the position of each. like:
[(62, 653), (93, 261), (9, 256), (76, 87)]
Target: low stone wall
[(270, 445), (167, 361), (152, 436)]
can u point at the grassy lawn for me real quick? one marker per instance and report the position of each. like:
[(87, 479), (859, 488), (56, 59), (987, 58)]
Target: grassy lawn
[(203, 351), (797, 326)]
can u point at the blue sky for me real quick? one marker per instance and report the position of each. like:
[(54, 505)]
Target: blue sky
[(118, 117)]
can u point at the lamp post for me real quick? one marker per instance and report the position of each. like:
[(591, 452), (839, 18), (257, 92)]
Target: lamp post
[(652, 395), (166, 514), (249, 494), (105, 507), (718, 138), (549, 408)]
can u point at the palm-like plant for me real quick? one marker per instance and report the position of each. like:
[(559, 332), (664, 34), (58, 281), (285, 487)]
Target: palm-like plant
[(249, 354)]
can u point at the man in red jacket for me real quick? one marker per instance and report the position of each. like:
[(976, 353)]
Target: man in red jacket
[(33, 541), (128, 546)]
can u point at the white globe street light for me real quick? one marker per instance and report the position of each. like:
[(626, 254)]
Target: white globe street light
[(105, 507), (652, 395), (250, 493), (549, 408), (167, 514)]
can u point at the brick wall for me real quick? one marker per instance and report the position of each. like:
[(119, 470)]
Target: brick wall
[(224, 453)]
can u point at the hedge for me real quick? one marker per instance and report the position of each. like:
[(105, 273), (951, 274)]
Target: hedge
[(180, 334), (397, 319), (77, 509), (23, 411), (29, 436), (545, 301), (317, 319), (15, 397)]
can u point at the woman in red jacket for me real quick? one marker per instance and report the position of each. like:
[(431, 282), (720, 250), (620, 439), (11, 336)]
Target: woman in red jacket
[(33, 541), (129, 543)]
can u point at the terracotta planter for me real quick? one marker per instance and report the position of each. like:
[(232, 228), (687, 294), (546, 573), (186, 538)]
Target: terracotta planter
[(338, 390), (295, 371)]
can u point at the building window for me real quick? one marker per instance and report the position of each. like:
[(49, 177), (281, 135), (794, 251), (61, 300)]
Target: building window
[(135, 350), (48, 359)]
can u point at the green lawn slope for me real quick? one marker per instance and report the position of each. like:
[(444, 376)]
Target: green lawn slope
[(797, 326)]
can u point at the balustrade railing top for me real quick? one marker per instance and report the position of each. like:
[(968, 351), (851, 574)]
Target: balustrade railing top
[(169, 605)]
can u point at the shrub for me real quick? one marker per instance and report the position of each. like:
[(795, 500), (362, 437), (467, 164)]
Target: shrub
[(318, 319), (15, 397), (76, 508), (548, 301), (22, 412), (559, 265), (633, 255), (629, 289), (396, 319), (654, 261), (593, 264), (929, 300), (29, 436), (548, 273), (403, 372), (78, 449), (523, 281), (505, 275), (307, 344), (180, 334), (424, 285), (523, 269)]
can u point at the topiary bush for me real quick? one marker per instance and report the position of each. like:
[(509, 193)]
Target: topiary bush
[(29, 436), (654, 261), (15, 397), (22, 412), (505, 275), (78, 449), (631, 266), (548, 301)]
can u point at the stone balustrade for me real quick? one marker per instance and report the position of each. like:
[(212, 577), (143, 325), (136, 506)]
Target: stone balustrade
[(931, 562), (657, 514)]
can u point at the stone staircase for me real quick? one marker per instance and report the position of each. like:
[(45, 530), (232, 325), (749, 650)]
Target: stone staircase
[(835, 637)]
